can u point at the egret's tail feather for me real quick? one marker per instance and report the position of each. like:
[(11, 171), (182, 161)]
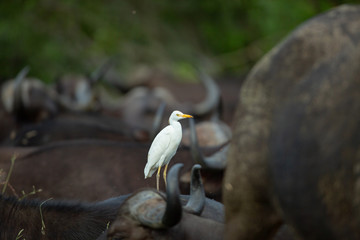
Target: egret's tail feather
[(148, 171)]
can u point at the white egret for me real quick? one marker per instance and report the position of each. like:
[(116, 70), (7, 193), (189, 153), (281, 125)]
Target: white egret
[(164, 146)]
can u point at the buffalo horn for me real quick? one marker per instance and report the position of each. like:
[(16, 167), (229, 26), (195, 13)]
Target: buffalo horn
[(21, 75), (217, 161), (17, 89), (173, 210), (196, 202), (100, 72), (151, 209), (157, 120), (212, 99)]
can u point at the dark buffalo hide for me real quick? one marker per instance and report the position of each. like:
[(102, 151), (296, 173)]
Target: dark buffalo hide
[(293, 155)]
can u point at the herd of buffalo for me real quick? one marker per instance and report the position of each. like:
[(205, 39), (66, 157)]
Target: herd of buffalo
[(276, 156)]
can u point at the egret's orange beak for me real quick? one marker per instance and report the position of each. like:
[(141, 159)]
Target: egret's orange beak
[(186, 116)]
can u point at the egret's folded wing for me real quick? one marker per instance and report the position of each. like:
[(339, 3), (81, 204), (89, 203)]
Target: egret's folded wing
[(157, 150), (159, 145)]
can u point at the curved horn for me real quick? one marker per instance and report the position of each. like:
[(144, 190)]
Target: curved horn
[(157, 120), (212, 99), (218, 114), (21, 75), (196, 202), (100, 72), (173, 210), (216, 161), (150, 208), (17, 105)]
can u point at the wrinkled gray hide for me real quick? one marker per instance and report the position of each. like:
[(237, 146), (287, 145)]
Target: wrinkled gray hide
[(293, 155)]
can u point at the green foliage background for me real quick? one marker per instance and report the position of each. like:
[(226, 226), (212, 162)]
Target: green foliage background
[(55, 37)]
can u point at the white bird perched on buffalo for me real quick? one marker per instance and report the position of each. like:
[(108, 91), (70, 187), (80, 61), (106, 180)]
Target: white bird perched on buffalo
[(164, 146)]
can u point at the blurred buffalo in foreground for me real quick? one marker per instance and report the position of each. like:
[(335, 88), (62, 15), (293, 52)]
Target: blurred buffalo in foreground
[(294, 156)]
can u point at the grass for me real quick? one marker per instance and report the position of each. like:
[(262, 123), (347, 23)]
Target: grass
[(13, 158), (33, 192), (43, 227), (6, 183), (24, 195), (19, 236)]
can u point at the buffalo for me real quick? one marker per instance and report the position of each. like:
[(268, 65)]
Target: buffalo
[(88, 169), (314, 151), (148, 215), (53, 219), (44, 118), (28, 99), (75, 127), (71, 168), (294, 156)]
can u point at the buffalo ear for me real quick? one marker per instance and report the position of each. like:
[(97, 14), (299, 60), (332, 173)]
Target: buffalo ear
[(126, 228)]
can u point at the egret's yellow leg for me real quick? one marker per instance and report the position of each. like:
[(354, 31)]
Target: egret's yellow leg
[(158, 178), (164, 174)]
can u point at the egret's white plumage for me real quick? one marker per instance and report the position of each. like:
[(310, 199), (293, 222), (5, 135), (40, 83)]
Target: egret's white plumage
[(164, 146)]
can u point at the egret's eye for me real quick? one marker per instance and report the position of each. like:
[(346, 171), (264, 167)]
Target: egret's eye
[(178, 115)]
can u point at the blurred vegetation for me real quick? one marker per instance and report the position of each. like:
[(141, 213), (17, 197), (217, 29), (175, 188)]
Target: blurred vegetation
[(227, 36)]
